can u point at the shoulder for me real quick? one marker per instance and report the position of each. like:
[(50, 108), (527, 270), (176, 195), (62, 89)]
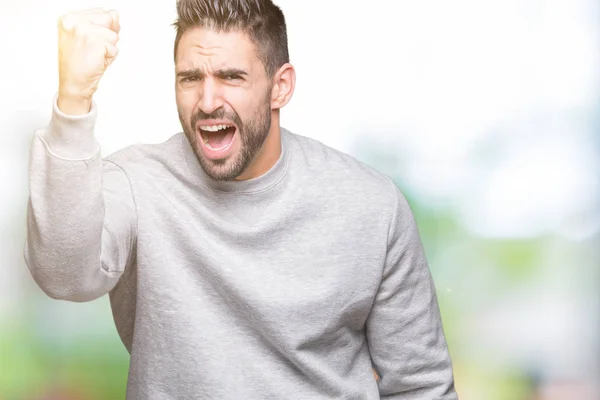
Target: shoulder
[(341, 176), (327, 164)]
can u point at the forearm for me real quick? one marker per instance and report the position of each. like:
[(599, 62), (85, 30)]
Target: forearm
[(66, 217), (409, 348)]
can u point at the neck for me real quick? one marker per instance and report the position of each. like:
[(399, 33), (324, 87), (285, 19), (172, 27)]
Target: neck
[(268, 154)]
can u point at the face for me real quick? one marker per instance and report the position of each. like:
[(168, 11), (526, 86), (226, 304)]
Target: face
[(223, 100)]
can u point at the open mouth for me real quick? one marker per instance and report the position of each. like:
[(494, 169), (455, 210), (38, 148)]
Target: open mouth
[(217, 137)]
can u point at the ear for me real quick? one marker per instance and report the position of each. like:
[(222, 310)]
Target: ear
[(284, 83)]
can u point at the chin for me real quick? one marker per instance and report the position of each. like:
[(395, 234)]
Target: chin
[(219, 170)]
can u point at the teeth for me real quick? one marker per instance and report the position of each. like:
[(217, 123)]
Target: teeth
[(214, 128)]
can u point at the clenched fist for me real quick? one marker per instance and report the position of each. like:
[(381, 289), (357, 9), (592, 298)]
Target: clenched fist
[(87, 45)]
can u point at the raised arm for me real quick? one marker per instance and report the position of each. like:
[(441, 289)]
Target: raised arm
[(81, 216)]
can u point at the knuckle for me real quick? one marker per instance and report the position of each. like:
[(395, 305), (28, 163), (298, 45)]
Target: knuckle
[(113, 37), (79, 29), (67, 21), (104, 18)]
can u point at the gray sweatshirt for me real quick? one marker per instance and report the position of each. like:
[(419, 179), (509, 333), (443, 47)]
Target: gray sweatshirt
[(292, 285)]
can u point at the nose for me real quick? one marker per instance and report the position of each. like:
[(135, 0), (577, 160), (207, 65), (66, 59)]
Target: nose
[(211, 98)]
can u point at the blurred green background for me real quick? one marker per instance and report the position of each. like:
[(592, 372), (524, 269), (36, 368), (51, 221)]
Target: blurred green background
[(487, 115)]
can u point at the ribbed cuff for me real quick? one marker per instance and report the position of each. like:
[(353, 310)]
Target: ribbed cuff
[(71, 137)]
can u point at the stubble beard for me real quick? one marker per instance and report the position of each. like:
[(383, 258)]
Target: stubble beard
[(252, 135)]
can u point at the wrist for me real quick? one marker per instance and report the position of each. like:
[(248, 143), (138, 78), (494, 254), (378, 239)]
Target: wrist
[(73, 105), (72, 100)]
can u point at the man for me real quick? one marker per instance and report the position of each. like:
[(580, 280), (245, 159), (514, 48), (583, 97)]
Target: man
[(242, 261)]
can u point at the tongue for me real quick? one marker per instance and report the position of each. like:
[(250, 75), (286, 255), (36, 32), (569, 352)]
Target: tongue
[(220, 138)]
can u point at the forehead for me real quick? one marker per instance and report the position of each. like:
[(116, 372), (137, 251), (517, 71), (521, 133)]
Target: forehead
[(232, 48)]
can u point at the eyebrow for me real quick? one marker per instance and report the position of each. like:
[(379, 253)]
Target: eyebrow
[(220, 73)]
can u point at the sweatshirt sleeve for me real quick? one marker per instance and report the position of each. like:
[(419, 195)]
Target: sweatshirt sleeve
[(81, 216), (404, 329)]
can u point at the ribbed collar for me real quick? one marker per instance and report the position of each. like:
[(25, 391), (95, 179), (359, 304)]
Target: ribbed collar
[(261, 183)]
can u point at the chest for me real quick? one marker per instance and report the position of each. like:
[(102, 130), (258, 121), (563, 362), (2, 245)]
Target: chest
[(292, 270)]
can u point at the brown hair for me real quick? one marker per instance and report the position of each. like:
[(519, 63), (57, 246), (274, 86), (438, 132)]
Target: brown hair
[(261, 20)]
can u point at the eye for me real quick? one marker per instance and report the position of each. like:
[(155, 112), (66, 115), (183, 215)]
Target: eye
[(233, 77), (189, 79)]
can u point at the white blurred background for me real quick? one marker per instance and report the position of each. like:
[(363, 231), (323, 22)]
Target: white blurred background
[(485, 112)]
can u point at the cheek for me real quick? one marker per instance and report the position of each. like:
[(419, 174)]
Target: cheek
[(242, 102), (186, 102)]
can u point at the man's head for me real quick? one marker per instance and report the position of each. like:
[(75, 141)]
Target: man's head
[(232, 77)]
